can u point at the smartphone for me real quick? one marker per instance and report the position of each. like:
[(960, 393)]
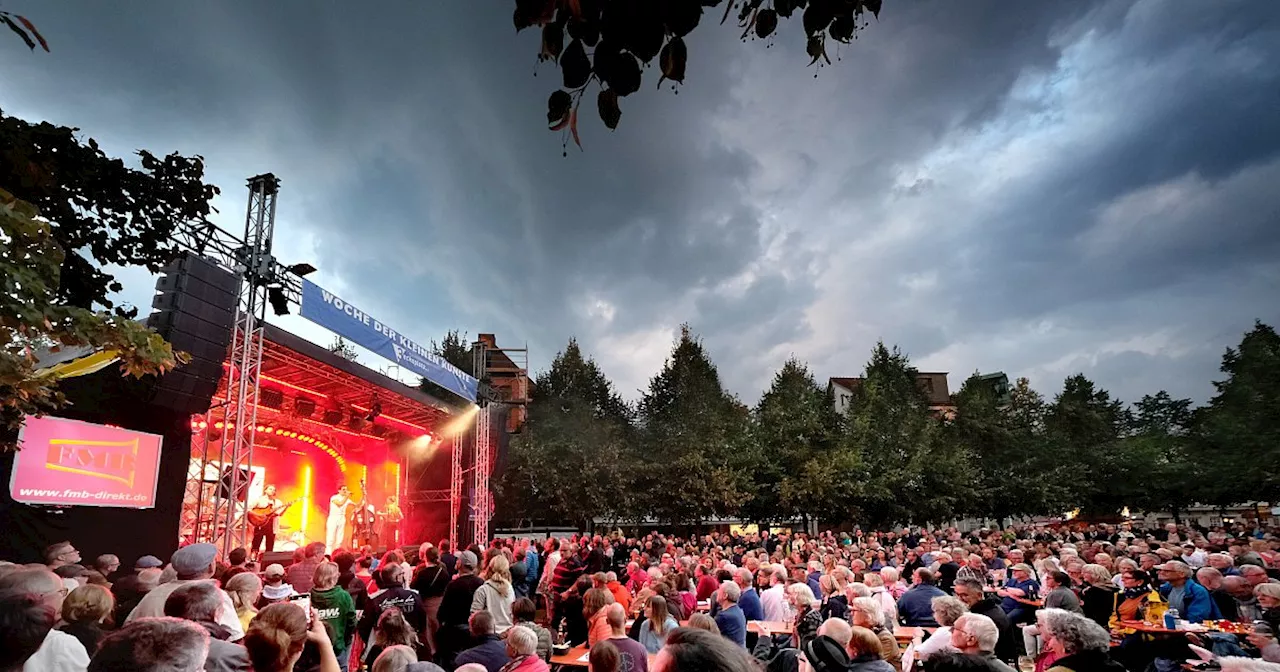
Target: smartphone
[(303, 601)]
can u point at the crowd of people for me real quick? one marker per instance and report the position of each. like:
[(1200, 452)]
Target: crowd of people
[(1065, 599)]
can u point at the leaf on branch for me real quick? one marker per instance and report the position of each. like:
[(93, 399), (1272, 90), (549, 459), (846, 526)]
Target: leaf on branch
[(817, 48), (784, 8), (817, 17), (674, 57), (873, 6), (766, 22), (727, 8), (552, 41), (842, 27), (558, 107), (575, 66), (607, 103), (31, 27), (520, 19), (626, 75), (605, 60), (573, 125), (21, 33), (681, 16), (588, 32)]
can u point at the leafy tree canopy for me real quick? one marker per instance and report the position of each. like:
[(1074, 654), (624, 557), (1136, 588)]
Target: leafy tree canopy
[(101, 211), (31, 318)]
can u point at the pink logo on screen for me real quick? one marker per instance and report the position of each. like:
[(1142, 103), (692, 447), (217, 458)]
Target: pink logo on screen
[(66, 462), (110, 460)]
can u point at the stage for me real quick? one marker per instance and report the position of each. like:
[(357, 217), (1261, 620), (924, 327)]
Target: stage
[(323, 422)]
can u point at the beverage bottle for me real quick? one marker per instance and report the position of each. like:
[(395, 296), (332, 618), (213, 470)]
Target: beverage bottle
[(1171, 619)]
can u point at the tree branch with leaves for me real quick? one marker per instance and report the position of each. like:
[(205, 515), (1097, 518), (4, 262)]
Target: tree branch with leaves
[(31, 316), (625, 35)]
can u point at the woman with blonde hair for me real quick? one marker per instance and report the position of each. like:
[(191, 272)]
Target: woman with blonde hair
[(496, 594), (276, 636), (84, 611), (893, 582), (244, 588), (394, 659), (808, 614)]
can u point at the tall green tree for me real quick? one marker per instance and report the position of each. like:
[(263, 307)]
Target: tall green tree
[(1239, 430), (889, 425), (1084, 426), (1158, 473), (1014, 475), (798, 470), (570, 462), (694, 437)]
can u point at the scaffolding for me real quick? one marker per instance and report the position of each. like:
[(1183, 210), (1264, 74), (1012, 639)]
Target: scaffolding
[(214, 507)]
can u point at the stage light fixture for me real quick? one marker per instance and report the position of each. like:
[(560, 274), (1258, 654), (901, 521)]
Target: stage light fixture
[(303, 407), (279, 302), (375, 409), (302, 269), (270, 398), (218, 425)]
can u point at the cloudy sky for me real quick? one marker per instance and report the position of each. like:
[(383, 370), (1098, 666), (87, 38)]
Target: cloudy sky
[(1041, 188)]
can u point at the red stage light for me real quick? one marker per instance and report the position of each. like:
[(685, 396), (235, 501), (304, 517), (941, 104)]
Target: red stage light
[(262, 428), (217, 425), (203, 424)]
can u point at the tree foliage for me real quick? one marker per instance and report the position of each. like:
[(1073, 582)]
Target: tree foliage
[(1241, 425), (569, 462), (690, 451), (31, 317), (455, 349), (343, 349), (102, 212), (694, 437), (609, 43)]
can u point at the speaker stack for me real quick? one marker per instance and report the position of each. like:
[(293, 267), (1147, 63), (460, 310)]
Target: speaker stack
[(195, 306)]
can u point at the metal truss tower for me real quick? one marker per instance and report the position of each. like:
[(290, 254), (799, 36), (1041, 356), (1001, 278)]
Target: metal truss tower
[(455, 490), (219, 515), (481, 498)]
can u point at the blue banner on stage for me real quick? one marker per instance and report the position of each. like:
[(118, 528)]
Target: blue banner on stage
[(332, 313)]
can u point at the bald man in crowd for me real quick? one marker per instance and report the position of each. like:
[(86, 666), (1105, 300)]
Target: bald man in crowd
[(59, 651)]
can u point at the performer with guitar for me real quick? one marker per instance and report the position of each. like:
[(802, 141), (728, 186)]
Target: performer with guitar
[(335, 528), (265, 519)]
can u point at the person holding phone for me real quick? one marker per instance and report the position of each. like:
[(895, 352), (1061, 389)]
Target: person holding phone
[(278, 633)]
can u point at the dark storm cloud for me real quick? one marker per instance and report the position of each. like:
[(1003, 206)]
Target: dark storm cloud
[(1034, 187)]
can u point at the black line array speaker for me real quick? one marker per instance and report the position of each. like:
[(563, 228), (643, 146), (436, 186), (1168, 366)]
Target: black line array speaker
[(195, 306)]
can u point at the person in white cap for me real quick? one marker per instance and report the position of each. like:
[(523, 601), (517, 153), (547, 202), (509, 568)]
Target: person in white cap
[(191, 564), (274, 589)]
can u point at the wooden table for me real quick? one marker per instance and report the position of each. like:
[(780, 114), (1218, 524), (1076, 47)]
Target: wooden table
[(908, 633), (775, 627)]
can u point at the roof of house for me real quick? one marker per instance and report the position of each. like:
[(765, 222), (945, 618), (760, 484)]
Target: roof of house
[(934, 384)]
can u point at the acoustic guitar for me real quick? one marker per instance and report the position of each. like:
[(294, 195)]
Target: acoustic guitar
[(261, 516)]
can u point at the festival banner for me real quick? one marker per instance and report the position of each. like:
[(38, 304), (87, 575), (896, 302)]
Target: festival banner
[(342, 318), (71, 463)]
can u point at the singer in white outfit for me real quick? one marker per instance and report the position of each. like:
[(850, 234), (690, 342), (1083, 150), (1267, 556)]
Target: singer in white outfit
[(335, 529)]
